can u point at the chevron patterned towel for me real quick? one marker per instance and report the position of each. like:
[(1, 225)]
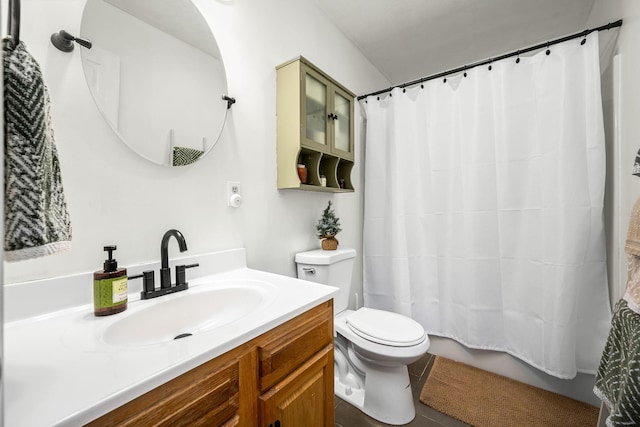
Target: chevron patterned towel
[(183, 156), (618, 377), (36, 218)]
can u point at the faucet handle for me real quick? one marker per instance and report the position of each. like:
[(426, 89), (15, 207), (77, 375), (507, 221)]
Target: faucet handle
[(148, 282), (181, 276)]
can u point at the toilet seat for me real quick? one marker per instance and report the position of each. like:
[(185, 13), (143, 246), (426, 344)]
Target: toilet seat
[(385, 327), (380, 354)]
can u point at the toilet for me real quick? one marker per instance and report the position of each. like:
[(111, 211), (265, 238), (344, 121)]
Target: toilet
[(372, 348)]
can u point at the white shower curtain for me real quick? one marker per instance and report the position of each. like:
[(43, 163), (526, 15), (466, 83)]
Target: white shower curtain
[(483, 215)]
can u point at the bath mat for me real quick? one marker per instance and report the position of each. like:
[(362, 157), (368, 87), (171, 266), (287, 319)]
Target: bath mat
[(484, 399)]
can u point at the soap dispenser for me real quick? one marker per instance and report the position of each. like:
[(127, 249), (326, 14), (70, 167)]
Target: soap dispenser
[(110, 287)]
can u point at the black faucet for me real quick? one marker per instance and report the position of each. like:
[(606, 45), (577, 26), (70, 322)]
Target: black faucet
[(149, 289), (165, 272)]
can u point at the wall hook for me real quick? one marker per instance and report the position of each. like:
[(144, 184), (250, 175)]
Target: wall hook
[(230, 101), (64, 41)]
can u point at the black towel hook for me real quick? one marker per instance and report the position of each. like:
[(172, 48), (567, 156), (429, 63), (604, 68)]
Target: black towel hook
[(64, 41), (230, 101)]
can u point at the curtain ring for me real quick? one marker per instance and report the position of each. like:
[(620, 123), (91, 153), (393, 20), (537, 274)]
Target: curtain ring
[(584, 40), (548, 50), (518, 58), (445, 79), (490, 64), (465, 71), (421, 86)]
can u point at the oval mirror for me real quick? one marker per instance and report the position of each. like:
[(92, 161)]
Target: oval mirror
[(156, 75)]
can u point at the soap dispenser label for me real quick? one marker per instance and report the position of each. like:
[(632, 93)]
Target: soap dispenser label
[(109, 293), (119, 287)]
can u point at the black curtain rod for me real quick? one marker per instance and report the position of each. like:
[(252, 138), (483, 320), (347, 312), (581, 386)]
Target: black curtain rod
[(584, 33)]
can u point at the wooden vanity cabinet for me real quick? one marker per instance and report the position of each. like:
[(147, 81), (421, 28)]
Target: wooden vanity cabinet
[(283, 377)]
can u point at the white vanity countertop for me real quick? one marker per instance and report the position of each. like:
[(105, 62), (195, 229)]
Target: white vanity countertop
[(59, 372)]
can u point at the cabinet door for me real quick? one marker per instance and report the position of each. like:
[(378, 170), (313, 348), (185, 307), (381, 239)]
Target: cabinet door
[(304, 398), (342, 123), (315, 105)]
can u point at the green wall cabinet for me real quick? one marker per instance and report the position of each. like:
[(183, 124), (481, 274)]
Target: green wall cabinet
[(314, 128)]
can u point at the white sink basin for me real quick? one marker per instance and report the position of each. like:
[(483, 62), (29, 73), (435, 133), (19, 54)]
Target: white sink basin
[(199, 309)]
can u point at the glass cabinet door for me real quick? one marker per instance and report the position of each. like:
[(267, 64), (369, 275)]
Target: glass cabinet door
[(316, 131), (342, 124)]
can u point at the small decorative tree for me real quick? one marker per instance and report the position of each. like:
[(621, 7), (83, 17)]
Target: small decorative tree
[(327, 228)]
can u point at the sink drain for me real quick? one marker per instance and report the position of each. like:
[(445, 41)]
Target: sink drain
[(177, 337)]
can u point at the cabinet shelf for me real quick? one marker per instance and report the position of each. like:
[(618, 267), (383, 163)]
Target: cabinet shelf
[(314, 128)]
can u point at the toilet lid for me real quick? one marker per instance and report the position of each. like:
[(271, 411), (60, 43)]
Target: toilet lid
[(385, 327)]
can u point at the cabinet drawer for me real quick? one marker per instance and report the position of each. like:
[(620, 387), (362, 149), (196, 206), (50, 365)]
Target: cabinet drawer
[(296, 341), (205, 396)]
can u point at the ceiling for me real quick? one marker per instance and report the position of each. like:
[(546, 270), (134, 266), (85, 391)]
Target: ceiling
[(409, 39)]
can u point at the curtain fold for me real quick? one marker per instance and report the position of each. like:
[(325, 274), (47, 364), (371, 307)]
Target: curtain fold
[(483, 215)]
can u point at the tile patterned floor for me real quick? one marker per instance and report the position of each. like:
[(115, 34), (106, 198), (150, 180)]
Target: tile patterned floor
[(349, 416)]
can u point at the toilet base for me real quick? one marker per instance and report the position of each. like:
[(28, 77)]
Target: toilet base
[(386, 395)]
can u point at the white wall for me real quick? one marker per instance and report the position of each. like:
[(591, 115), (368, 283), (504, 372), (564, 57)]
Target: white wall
[(115, 197)]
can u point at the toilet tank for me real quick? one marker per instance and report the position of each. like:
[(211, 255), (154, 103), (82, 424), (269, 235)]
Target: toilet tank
[(333, 268)]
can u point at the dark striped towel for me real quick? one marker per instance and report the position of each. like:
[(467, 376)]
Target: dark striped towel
[(618, 377), (36, 218), (183, 156)]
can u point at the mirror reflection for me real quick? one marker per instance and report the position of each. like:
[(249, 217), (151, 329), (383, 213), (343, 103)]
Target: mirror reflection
[(156, 75)]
